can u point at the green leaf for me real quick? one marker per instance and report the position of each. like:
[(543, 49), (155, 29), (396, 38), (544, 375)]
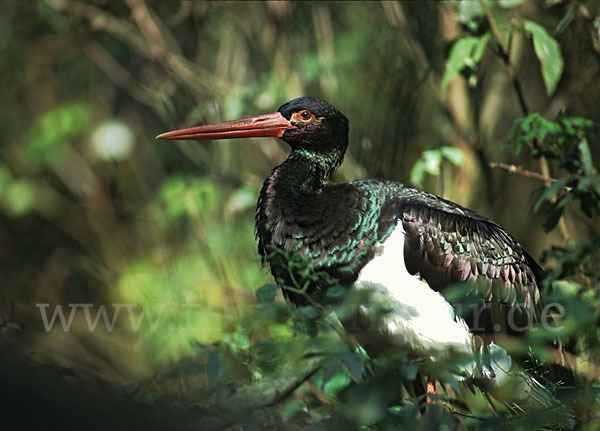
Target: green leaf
[(431, 160), (330, 367), (266, 293), (468, 11), (582, 123), (354, 363), (586, 157), (49, 141), (507, 4), (590, 203), (565, 200), (465, 53), (566, 287), (5, 176), (335, 293), (479, 48), (548, 53), (534, 126), (428, 163), (19, 197), (409, 370), (236, 341), (172, 195), (550, 192), (452, 154), (552, 219)]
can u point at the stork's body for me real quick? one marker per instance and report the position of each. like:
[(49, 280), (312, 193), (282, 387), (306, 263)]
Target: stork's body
[(404, 244)]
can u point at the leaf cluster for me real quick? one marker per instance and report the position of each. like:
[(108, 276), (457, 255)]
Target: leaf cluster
[(564, 141), (467, 51)]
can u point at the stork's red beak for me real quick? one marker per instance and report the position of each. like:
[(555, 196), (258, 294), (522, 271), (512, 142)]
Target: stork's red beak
[(273, 124)]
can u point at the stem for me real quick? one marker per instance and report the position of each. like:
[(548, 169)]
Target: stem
[(523, 172), (494, 28), (323, 399), (271, 389)]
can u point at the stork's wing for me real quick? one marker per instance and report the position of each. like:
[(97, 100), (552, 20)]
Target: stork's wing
[(446, 244)]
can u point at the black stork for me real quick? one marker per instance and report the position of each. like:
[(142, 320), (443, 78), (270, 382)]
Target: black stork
[(404, 244)]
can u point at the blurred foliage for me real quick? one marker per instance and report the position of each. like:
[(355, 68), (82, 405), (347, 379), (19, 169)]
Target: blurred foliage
[(463, 58), (431, 162), (94, 211), (566, 141)]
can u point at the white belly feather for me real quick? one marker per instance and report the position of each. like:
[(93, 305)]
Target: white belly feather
[(419, 317)]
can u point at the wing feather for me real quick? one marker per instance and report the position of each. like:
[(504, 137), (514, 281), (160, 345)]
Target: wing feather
[(447, 244)]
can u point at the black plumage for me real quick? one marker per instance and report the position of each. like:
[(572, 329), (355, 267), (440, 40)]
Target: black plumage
[(338, 228)]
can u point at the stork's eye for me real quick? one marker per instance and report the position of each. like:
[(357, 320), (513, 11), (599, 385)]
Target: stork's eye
[(304, 116)]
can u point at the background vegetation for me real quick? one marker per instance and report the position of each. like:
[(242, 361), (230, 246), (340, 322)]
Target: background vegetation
[(93, 210)]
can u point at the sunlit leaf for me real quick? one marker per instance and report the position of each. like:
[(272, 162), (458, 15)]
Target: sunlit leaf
[(465, 53), (453, 155), (338, 381), (330, 368), (548, 53), (50, 135), (171, 306), (507, 4), (237, 340), (5, 176), (19, 197), (172, 194), (566, 287), (468, 11), (430, 162)]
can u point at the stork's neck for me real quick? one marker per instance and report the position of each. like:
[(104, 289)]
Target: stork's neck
[(318, 166), (293, 186), (304, 171)]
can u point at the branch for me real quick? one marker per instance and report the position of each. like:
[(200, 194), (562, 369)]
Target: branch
[(188, 73), (29, 386), (523, 172), (271, 389), (323, 399)]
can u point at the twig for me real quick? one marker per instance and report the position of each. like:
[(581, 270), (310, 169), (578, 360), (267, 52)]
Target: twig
[(489, 402), (347, 371), (121, 77), (190, 74), (494, 28), (523, 172), (323, 399), (466, 415), (271, 389)]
